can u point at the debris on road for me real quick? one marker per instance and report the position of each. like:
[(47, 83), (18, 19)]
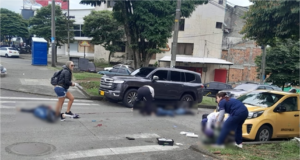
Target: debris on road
[(99, 125), (193, 135), (93, 120), (129, 138), (179, 144), (164, 141)]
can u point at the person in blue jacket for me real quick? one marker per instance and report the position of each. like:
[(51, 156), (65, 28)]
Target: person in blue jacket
[(238, 113)]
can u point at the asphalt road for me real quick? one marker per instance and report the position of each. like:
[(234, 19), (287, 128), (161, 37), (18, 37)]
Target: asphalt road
[(100, 133), (24, 77)]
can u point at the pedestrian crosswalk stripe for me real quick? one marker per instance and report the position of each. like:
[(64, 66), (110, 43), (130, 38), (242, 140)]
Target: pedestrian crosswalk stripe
[(42, 99), (113, 151)]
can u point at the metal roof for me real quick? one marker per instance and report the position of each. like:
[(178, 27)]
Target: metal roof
[(191, 59), (37, 39)]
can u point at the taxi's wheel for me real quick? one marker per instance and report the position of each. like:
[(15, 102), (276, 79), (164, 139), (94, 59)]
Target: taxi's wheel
[(264, 133)]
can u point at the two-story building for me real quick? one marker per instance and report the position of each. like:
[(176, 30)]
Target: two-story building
[(199, 43)]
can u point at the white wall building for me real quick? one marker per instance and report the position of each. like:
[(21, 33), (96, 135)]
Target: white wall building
[(200, 36), (75, 48)]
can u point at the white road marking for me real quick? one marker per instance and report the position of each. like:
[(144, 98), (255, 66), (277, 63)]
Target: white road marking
[(83, 104), (7, 101), (113, 151), (42, 99), (7, 107)]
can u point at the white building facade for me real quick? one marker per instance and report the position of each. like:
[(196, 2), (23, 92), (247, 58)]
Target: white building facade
[(200, 36)]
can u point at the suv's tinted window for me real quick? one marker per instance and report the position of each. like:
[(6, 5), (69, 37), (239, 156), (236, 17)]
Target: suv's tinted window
[(162, 75), (190, 77), (175, 76)]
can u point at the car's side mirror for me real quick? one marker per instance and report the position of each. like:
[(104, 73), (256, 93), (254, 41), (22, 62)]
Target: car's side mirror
[(155, 78), (280, 108)]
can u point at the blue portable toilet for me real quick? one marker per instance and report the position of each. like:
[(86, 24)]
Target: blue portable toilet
[(39, 51)]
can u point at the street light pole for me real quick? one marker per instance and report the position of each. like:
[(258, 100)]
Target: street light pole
[(68, 29), (263, 64), (175, 35), (53, 33)]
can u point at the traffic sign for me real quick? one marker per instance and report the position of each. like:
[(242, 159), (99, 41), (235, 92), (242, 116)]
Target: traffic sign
[(85, 44)]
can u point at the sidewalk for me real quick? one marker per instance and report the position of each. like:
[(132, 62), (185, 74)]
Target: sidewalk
[(61, 59), (24, 77)]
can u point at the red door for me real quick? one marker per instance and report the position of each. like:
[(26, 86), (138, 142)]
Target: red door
[(220, 75)]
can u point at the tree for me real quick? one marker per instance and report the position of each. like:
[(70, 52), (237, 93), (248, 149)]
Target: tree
[(12, 25), (282, 62), (41, 25), (104, 29), (268, 20), (147, 24)]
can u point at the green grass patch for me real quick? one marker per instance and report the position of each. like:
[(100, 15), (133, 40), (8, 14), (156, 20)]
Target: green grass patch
[(54, 68), (102, 64), (208, 101), (277, 151), (86, 75), (92, 87)]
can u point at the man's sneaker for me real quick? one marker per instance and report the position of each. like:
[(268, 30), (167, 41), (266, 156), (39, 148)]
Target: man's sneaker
[(72, 115), (62, 118), (239, 145)]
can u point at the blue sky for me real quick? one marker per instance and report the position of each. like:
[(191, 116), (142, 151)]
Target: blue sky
[(16, 5)]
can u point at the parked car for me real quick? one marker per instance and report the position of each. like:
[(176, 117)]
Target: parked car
[(118, 70), (9, 52), (3, 70), (212, 88), (248, 87), (169, 84), (272, 114), (118, 66)]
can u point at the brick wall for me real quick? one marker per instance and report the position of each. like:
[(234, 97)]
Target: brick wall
[(243, 56)]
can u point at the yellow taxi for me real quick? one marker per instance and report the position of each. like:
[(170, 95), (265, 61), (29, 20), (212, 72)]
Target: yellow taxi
[(272, 114)]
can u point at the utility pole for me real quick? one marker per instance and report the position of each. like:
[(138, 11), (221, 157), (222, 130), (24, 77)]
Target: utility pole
[(53, 33), (263, 64), (175, 35), (68, 30)]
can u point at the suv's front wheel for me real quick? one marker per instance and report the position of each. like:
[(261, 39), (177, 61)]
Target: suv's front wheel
[(129, 97), (187, 97)]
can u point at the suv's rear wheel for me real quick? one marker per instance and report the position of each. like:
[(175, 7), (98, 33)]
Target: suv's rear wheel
[(129, 97), (187, 97), (6, 55)]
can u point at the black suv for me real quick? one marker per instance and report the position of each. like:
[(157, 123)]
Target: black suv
[(169, 84)]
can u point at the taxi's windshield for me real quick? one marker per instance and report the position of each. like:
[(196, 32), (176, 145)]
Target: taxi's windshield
[(260, 99)]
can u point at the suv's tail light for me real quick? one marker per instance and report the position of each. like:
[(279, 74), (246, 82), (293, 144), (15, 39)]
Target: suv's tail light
[(10, 51), (202, 86)]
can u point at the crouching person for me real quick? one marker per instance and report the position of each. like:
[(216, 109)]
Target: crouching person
[(146, 94)]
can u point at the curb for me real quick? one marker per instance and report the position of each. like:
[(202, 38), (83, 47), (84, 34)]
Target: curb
[(89, 96), (197, 148), (207, 106), (263, 142)]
